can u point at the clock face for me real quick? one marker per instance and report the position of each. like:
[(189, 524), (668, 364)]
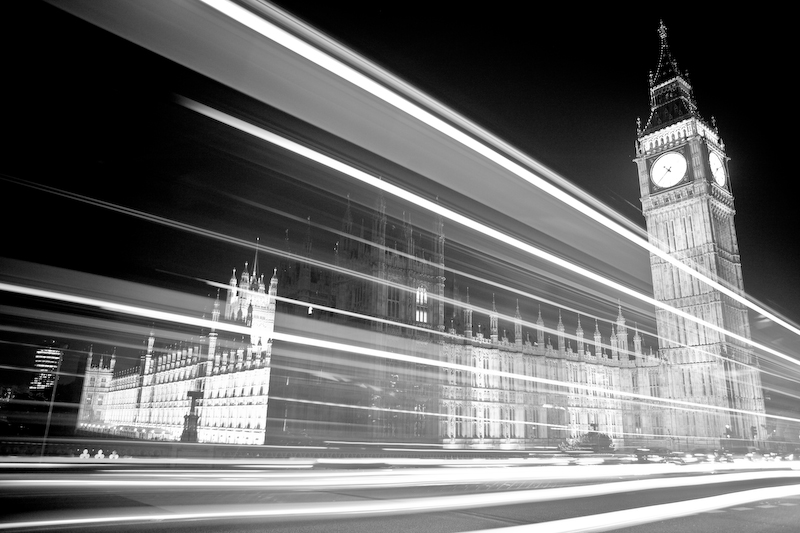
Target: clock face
[(717, 168), (668, 169)]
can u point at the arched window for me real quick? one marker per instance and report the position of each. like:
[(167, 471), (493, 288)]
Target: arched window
[(422, 305), (393, 302)]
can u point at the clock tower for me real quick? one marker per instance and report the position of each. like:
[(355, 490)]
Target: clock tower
[(687, 202)]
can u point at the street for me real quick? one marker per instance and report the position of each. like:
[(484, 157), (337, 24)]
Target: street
[(567, 498)]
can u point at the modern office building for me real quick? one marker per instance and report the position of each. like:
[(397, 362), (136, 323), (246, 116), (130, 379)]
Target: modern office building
[(46, 362)]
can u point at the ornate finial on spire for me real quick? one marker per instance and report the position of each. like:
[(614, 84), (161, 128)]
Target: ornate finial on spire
[(494, 307), (662, 30)]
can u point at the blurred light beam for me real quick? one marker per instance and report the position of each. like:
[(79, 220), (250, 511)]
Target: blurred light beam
[(272, 138), (271, 31)]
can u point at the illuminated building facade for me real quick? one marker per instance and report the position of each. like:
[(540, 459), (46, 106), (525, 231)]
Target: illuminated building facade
[(97, 381), (230, 374), (487, 408), (321, 396), (482, 388), (688, 205), (46, 361), (388, 275)]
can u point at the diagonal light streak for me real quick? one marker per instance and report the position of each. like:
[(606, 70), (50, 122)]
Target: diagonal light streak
[(347, 348), (321, 510), (339, 166), (467, 275), (319, 57)]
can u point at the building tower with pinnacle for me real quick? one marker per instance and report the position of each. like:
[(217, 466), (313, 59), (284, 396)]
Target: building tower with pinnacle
[(687, 202)]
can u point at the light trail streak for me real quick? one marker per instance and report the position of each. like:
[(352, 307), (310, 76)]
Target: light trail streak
[(651, 513), (295, 339), (421, 260), (295, 44), (432, 504), (605, 396), (451, 301), (225, 238), (411, 412), (343, 168)]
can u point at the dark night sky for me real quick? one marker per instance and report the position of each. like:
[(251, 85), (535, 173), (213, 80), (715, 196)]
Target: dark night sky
[(565, 87)]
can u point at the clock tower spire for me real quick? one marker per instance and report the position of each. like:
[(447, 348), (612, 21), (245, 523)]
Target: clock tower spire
[(687, 202), (671, 95)]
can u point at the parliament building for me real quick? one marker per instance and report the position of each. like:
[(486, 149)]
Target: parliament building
[(463, 386)]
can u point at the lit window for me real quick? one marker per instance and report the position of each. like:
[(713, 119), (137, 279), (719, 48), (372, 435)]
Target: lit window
[(422, 305)]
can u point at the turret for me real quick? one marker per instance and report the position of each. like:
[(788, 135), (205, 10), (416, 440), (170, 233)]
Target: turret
[(244, 282), (90, 358), (540, 328), (493, 322), (622, 334), (212, 337), (637, 343), (230, 304), (614, 342), (598, 340), (148, 356), (468, 318)]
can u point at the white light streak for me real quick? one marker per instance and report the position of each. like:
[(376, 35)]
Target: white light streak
[(650, 514), (444, 503), (347, 348), (338, 68), (333, 164)]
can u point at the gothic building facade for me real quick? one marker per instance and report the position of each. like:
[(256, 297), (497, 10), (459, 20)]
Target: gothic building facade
[(226, 369), (468, 388)]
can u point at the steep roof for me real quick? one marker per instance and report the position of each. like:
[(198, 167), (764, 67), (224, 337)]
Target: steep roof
[(671, 95)]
